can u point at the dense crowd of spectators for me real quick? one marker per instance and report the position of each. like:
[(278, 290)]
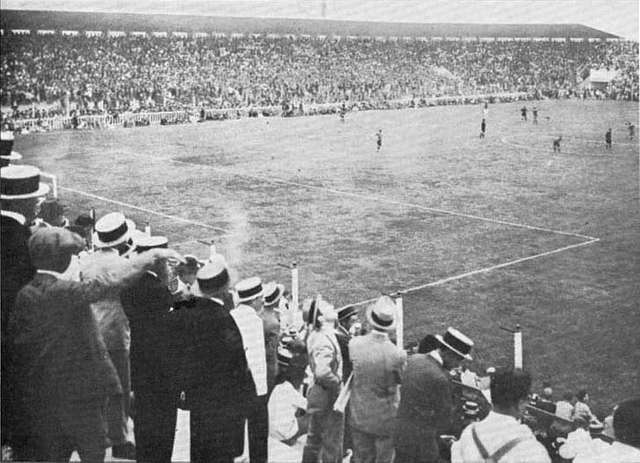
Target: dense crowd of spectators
[(97, 75), (96, 313)]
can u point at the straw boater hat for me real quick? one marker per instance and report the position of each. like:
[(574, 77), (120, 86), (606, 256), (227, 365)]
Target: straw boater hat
[(249, 289), (112, 230), (213, 276), (457, 342), (7, 155), (272, 293), (381, 315), (346, 312), (21, 182)]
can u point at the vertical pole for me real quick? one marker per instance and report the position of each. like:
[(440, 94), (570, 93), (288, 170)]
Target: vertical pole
[(400, 323), (54, 180), (294, 286), (92, 214), (517, 348)]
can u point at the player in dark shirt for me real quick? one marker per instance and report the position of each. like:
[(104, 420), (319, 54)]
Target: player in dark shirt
[(483, 128), (607, 139), (632, 130), (535, 115), (556, 144), (379, 139), (523, 113)]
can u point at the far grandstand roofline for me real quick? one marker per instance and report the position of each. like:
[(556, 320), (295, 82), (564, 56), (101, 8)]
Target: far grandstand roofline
[(129, 22)]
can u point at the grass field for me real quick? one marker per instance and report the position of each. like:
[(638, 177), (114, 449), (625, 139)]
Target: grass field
[(488, 233)]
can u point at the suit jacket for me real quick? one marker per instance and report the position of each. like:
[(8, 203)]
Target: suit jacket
[(344, 337), (426, 407), (62, 355), (213, 369), (154, 363), (271, 327), (16, 269), (112, 321), (377, 374), (325, 362), (252, 331)]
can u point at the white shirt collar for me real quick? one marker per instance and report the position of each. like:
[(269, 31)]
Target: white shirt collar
[(435, 354), (21, 219), (50, 272)]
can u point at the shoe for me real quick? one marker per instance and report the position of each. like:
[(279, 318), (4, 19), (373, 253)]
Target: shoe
[(126, 451)]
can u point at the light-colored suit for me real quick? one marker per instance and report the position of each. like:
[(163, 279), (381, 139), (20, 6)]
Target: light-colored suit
[(377, 373), (375, 395), (324, 439)]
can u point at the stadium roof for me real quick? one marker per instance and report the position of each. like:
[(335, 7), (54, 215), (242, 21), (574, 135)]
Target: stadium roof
[(66, 20)]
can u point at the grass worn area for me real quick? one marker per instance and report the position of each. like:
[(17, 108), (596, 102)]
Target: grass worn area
[(315, 190)]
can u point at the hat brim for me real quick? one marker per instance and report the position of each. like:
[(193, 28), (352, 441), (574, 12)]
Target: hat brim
[(441, 341), (43, 190), (373, 323), (109, 244), (14, 156), (280, 291), (250, 298)]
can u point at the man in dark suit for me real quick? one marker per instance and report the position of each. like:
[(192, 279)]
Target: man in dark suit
[(21, 196), (63, 361), (426, 405), (154, 372), (213, 372)]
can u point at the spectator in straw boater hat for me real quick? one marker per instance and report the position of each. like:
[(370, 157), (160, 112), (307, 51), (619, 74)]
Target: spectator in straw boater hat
[(7, 155), (153, 360), (377, 374), (426, 407), (213, 371), (21, 194), (113, 231), (249, 292), (271, 325), (113, 245)]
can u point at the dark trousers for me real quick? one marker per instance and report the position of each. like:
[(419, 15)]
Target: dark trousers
[(64, 427), (324, 438), (215, 432), (154, 425), (258, 423)]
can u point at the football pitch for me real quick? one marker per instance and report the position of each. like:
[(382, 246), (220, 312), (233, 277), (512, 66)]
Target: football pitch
[(482, 233)]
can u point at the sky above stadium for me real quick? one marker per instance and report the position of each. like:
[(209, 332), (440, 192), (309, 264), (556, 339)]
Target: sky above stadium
[(619, 17)]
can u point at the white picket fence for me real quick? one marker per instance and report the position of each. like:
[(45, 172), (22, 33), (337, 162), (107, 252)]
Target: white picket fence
[(152, 118)]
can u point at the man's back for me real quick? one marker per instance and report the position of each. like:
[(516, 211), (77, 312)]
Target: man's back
[(377, 367), (493, 433), (425, 409), (60, 351), (212, 360), (252, 333)]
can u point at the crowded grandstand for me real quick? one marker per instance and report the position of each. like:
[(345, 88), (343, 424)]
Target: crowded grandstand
[(114, 337)]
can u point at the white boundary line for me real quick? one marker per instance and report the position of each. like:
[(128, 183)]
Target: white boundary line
[(485, 270), (385, 200), (144, 209)]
